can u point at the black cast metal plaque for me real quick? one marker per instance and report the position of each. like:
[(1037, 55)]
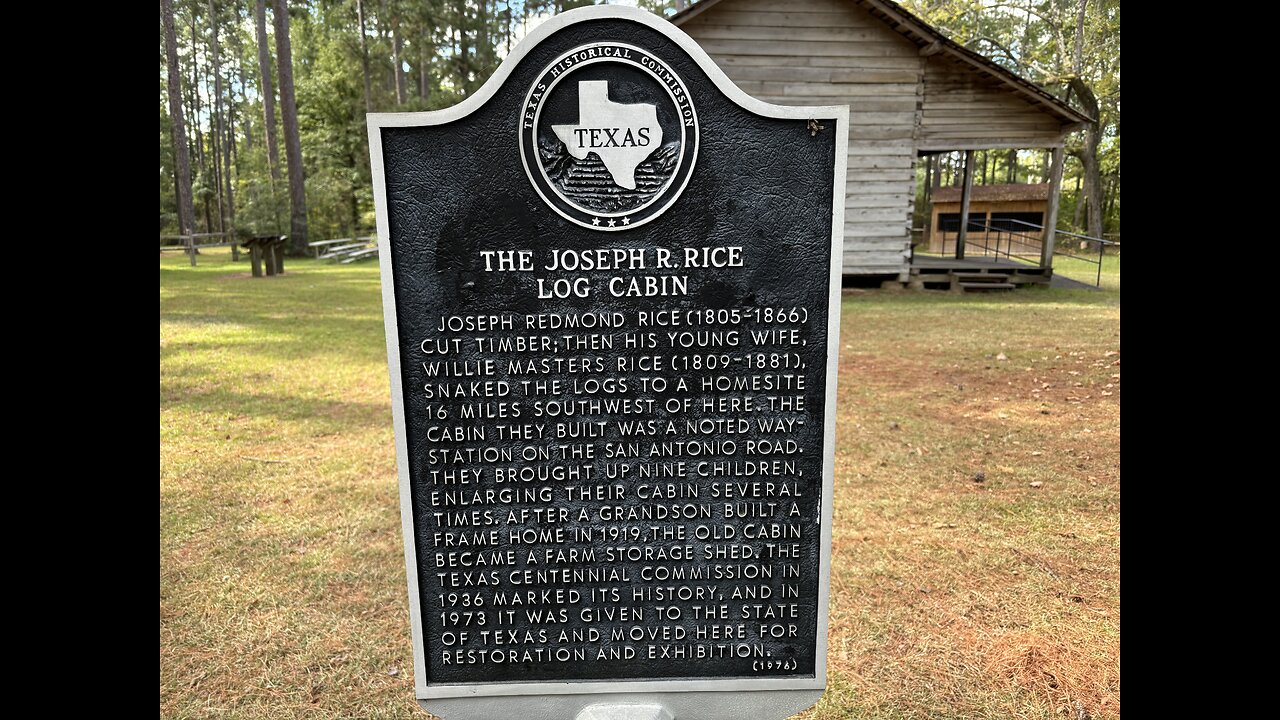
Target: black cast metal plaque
[(610, 283)]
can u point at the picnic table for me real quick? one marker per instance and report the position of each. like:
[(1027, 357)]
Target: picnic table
[(268, 248)]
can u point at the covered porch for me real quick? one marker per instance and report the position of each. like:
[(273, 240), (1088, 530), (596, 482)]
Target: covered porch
[(974, 274), (994, 237)]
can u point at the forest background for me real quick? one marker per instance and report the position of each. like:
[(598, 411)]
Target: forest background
[(262, 104)]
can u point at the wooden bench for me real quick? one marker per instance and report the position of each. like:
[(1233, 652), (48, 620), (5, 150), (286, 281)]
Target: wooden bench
[(345, 250)]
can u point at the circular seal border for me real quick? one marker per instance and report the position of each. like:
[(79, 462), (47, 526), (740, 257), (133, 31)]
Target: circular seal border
[(689, 145)]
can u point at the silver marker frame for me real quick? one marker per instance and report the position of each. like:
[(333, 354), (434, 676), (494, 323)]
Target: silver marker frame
[(667, 194), (708, 698)]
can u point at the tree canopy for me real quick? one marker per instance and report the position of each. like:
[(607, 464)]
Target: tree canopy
[(1072, 48), (350, 57)]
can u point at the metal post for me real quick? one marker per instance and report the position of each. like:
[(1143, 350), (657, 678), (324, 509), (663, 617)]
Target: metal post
[(964, 203)]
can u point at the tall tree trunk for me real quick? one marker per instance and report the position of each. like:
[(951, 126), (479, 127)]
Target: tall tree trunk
[(1088, 152), (1077, 50), (1088, 155), (465, 62), (1110, 202), (930, 180), (209, 155), (231, 161), (244, 102), (397, 57), (387, 81), (1077, 220), (182, 161), (355, 200), (484, 45), (424, 69), (507, 33), (195, 96), (1012, 160), (268, 95), (364, 57), (292, 144), (220, 154), (227, 202)]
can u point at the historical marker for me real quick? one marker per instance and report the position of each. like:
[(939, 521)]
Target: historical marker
[(611, 285)]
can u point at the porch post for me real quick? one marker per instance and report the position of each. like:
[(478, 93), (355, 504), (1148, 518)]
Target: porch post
[(964, 203), (1051, 212)]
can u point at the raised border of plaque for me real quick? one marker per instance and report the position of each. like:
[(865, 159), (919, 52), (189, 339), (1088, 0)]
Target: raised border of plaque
[(703, 698)]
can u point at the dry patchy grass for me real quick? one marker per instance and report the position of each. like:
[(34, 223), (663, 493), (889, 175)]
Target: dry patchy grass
[(976, 569), (976, 532)]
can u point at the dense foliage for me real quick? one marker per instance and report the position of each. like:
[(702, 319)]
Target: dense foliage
[(350, 57)]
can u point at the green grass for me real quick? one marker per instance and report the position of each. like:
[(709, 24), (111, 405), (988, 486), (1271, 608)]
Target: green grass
[(282, 588), (1086, 271)]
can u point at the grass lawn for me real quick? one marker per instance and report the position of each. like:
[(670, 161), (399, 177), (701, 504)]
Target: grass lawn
[(1085, 271), (976, 563)]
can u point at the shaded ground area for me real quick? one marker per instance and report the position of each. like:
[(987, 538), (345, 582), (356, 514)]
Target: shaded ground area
[(1062, 281), (976, 564)]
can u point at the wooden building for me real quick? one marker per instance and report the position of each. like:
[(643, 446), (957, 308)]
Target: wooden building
[(1001, 219), (911, 93)]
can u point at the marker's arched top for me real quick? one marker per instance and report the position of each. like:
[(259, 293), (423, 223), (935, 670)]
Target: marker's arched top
[(605, 12)]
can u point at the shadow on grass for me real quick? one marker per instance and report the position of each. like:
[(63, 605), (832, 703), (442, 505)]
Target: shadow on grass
[(282, 338), (333, 415), (313, 311), (1027, 297)]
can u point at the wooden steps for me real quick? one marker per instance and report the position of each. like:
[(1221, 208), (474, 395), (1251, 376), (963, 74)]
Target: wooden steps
[(980, 282), (975, 276)]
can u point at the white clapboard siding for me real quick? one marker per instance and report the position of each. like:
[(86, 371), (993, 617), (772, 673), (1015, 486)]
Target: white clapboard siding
[(965, 109)]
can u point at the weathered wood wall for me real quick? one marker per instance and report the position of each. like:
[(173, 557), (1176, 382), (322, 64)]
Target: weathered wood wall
[(901, 102), (829, 52), (963, 109)]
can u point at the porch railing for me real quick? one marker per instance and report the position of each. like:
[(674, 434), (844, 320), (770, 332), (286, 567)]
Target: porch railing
[(1059, 248), (1028, 246)]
